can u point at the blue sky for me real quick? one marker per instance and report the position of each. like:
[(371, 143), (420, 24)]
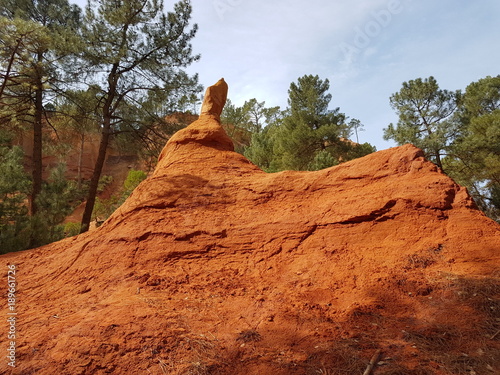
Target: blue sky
[(366, 49)]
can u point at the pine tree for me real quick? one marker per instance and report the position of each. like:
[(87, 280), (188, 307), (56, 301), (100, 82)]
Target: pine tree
[(141, 52), (474, 159), (459, 132), (14, 189), (310, 130), (55, 202), (36, 36), (425, 117)]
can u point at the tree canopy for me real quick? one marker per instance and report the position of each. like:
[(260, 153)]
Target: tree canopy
[(136, 54), (307, 135), (119, 70), (425, 116), (459, 131)]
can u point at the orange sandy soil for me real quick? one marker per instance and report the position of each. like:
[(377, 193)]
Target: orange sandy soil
[(214, 267)]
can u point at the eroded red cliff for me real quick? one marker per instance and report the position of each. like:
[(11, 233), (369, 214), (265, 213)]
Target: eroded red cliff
[(214, 267)]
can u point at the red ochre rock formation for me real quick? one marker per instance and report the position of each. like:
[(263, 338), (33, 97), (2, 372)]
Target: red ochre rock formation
[(213, 266)]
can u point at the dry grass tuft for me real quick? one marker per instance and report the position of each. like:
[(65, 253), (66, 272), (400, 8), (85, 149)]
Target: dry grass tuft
[(249, 335), (339, 358)]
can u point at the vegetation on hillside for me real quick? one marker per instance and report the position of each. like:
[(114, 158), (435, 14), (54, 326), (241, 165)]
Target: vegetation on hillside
[(459, 131), (117, 70), (307, 135)]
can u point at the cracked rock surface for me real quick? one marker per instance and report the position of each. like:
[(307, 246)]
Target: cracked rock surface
[(213, 265)]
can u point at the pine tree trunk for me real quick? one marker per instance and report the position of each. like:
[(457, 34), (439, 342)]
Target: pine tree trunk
[(37, 142), (80, 161), (94, 182), (107, 114), (37, 151), (438, 159)]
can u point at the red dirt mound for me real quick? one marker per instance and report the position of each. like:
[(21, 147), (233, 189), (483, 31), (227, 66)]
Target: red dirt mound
[(214, 267)]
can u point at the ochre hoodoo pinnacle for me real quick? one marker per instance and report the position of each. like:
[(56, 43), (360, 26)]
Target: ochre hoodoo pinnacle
[(215, 98)]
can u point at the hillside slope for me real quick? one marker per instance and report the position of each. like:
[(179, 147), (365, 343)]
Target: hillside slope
[(214, 267)]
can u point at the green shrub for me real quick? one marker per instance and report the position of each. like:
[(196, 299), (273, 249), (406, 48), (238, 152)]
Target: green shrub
[(71, 229), (103, 208)]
